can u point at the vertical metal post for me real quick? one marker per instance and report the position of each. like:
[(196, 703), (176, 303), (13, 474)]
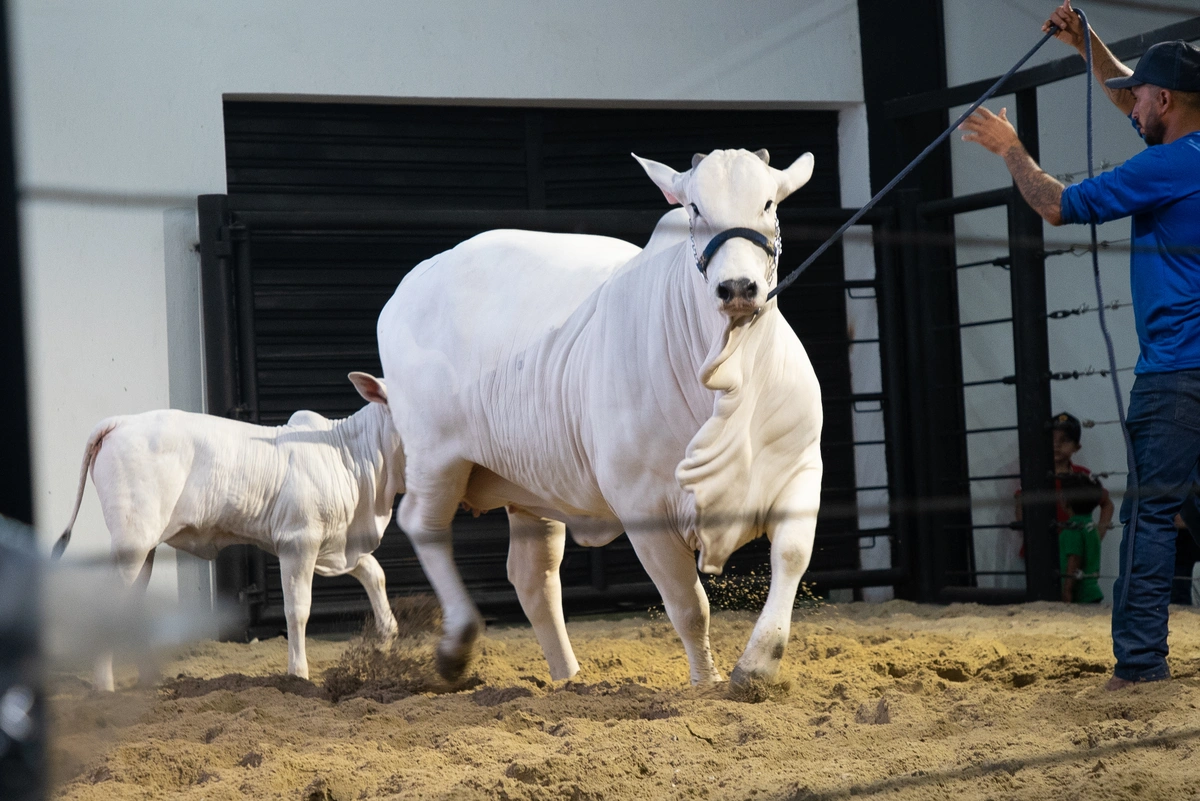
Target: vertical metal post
[(1031, 354), (952, 548), (16, 471), (247, 358), (894, 368), (222, 388), (907, 317), (216, 299), (23, 736)]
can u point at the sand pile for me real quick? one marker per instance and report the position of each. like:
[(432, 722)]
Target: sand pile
[(893, 700)]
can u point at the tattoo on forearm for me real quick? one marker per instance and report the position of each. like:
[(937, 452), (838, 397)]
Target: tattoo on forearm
[(1042, 192), (1104, 66)]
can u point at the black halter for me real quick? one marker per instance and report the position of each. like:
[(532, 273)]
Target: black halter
[(732, 233)]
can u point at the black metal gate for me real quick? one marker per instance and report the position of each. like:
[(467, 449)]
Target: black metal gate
[(330, 205), (939, 510)]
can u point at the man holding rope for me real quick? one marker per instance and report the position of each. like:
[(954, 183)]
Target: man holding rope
[(1160, 189)]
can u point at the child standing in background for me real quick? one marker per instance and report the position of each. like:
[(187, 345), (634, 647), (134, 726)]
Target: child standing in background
[(1066, 431), (1078, 540)]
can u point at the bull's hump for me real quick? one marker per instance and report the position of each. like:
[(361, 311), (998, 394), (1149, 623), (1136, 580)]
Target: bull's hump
[(500, 293)]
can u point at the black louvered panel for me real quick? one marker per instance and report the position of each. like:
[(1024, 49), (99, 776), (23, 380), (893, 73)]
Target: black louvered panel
[(587, 161), (315, 155), (317, 294), (317, 298)]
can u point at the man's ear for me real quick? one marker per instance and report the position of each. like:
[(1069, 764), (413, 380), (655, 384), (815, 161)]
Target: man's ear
[(794, 177), (370, 387), (670, 182)]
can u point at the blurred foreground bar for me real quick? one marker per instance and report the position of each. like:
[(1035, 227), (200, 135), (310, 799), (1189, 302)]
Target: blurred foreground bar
[(22, 729)]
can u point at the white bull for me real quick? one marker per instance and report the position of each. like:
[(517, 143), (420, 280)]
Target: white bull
[(317, 493), (573, 379)]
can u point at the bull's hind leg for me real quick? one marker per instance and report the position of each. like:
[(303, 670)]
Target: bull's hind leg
[(535, 551), (370, 575), (671, 565), (425, 514), (791, 538)]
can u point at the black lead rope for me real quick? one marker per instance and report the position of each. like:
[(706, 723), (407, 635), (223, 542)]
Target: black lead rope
[(794, 274)]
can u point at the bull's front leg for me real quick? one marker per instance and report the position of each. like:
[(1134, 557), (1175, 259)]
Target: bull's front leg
[(671, 565), (791, 536)]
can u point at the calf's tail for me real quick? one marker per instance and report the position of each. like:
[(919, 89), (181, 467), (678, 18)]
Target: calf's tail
[(89, 455)]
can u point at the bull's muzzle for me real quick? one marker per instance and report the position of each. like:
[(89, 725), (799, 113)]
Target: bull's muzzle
[(738, 296)]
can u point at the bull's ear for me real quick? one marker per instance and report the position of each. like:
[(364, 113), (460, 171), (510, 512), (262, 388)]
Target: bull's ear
[(370, 387), (666, 179), (794, 177)]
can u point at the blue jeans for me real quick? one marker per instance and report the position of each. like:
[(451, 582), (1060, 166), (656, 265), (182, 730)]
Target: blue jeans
[(1164, 424)]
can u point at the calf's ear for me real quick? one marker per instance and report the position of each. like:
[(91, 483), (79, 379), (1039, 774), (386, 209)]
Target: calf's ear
[(370, 387), (794, 177)]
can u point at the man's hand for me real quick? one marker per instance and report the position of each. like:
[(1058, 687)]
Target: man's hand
[(1104, 64), (993, 132), (1070, 27), (1042, 192)]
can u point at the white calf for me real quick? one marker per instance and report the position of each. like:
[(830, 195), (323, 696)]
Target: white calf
[(317, 493)]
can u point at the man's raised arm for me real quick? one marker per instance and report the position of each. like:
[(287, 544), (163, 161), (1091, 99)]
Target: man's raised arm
[(1043, 192), (1104, 64)]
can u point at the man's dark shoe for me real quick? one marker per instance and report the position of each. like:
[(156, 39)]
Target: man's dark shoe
[(1118, 683)]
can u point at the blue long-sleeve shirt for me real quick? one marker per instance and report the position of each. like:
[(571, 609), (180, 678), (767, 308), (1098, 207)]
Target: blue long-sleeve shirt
[(1160, 189)]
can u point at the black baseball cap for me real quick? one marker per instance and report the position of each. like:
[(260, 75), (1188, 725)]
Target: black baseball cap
[(1171, 65), (1068, 424)]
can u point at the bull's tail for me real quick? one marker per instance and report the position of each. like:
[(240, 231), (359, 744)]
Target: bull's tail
[(89, 456)]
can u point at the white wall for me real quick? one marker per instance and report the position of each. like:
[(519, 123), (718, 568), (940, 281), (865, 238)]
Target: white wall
[(983, 40), (119, 125)]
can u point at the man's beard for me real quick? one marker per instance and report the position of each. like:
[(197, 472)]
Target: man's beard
[(1153, 129)]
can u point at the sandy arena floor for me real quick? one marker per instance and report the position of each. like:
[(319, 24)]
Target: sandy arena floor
[(893, 701)]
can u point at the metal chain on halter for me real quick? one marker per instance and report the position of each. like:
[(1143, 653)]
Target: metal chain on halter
[(778, 250), (692, 238)]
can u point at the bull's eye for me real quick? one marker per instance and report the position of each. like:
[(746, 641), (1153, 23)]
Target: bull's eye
[(768, 206), (696, 210)]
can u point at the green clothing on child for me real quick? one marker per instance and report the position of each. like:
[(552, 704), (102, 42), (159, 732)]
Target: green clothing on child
[(1078, 537)]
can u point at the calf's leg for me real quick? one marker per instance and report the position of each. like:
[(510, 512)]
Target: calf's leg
[(791, 538), (370, 575), (134, 566), (671, 565), (535, 551), (296, 565)]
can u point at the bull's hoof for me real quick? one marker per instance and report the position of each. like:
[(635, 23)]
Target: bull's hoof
[(455, 652), (741, 677), (754, 687), (451, 665)]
